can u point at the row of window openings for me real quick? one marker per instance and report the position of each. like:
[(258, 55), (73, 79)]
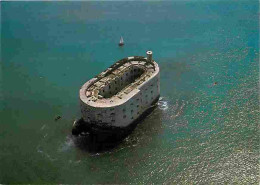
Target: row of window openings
[(116, 90), (131, 117), (113, 114), (140, 101), (122, 77), (113, 120), (109, 87), (137, 99), (130, 104), (116, 87)]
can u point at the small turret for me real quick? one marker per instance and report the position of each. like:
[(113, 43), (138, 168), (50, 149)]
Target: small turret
[(149, 56)]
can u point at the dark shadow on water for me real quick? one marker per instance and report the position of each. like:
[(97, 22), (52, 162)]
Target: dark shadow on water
[(97, 141)]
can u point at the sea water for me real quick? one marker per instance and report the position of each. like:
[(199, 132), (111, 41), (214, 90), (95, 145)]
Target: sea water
[(205, 128)]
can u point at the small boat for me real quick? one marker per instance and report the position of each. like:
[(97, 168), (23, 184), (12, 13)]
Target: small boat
[(121, 42)]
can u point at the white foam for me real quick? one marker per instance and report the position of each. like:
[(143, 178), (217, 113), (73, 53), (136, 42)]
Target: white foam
[(162, 104), (67, 145)]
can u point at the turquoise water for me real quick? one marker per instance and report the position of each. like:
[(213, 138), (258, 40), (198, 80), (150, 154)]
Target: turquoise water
[(200, 133)]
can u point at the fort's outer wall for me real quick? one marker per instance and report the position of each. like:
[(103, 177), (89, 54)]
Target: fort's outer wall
[(124, 114)]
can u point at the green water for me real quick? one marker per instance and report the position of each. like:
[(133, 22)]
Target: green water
[(200, 133)]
